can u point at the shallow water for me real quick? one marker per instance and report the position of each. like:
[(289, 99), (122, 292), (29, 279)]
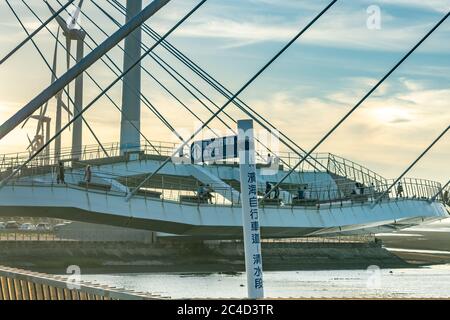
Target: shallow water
[(428, 282)]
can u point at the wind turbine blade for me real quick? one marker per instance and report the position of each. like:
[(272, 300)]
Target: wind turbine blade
[(73, 20), (63, 105), (40, 123), (59, 20), (25, 122), (73, 23), (44, 112)]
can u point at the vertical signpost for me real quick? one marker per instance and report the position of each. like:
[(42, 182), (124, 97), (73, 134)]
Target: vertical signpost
[(242, 146), (250, 213)]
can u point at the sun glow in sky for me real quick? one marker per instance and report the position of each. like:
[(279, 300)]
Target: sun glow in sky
[(392, 115), (303, 93)]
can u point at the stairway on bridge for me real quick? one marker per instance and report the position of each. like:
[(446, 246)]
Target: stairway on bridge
[(218, 185)]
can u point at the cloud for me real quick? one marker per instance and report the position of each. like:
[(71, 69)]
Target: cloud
[(340, 27), (431, 5), (386, 133)]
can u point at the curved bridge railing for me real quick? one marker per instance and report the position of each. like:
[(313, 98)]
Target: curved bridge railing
[(185, 191)]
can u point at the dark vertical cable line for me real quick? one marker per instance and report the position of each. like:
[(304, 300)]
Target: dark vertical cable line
[(360, 102), (242, 89), (35, 32), (167, 66), (145, 47), (174, 73), (218, 87), (98, 86), (112, 84), (153, 55), (51, 70), (144, 100)]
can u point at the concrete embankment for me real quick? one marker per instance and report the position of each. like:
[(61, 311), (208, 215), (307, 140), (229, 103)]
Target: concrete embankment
[(190, 257)]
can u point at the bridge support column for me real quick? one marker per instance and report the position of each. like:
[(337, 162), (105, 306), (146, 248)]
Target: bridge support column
[(131, 105)]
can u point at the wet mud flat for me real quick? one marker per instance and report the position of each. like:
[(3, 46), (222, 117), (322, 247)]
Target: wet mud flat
[(107, 257)]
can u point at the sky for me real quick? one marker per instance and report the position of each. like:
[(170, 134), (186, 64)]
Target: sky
[(304, 93)]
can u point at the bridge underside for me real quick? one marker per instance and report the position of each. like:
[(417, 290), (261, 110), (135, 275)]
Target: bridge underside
[(209, 232), (211, 221)]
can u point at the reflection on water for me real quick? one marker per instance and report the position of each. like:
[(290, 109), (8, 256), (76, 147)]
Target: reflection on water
[(430, 282)]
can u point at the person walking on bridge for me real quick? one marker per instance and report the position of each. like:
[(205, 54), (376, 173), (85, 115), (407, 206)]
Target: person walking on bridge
[(399, 190), (60, 176), (88, 174)]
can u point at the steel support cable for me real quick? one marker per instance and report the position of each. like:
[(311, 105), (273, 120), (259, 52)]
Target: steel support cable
[(145, 101), (145, 47), (28, 109), (242, 89), (35, 32), (216, 84), (172, 71), (53, 73), (143, 98), (165, 67), (101, 89), (218, 87), (410, 167), (440, 191), (153, 57), (349, 113), (112, 84), (240, 104)]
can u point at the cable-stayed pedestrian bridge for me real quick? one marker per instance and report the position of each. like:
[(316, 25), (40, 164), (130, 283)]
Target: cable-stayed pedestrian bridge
[(150, 185), (334, 202)]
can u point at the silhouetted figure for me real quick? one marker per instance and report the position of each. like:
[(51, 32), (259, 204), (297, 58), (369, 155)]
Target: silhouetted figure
[(301, 193), (268, 188), (269, 159), (400, 190), (277, 193), (355, 190), (208, 194), (60, 176), (88, 174), (201, 192)]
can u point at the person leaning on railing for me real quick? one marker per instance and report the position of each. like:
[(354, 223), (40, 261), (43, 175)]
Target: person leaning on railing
[(208, 194), (400, 190), (201, 193), (60, 178)]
